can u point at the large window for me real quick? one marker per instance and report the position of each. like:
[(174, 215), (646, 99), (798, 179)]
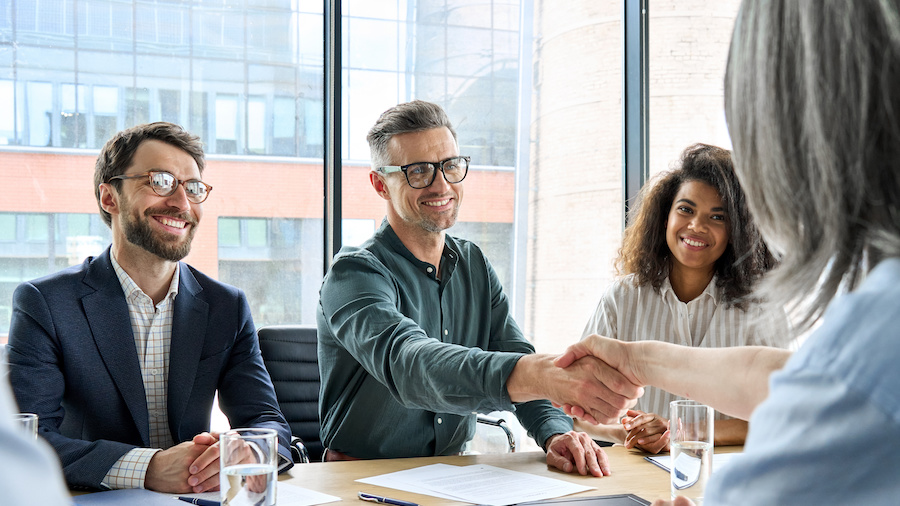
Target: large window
[(534, 88)]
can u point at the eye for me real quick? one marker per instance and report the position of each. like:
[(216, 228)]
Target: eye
[(685, 209), (162, 180), (719, 217), (418, 170)]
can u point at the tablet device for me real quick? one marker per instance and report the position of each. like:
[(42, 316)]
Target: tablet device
[(603, 500)]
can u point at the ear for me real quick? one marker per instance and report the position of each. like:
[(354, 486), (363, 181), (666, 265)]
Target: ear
[(380, 185), (109, 199)]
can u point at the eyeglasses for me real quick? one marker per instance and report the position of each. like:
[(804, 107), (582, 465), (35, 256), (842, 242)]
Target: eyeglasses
[(164, 184), (421, 174)]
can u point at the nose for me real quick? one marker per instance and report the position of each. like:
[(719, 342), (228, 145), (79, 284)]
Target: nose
[(440, 184), (698, 223), (178, 199)]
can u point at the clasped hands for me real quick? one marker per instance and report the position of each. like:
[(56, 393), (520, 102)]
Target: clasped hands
[(191, 466), (610, 384)]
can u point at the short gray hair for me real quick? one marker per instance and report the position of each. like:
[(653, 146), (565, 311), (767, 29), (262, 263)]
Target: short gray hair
[(415, 116), (813, 107)]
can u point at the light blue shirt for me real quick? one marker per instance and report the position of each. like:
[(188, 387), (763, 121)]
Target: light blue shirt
[(829, 432)]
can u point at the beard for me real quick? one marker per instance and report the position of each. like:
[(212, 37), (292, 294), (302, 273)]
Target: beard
[(139, 232), (432, 226)]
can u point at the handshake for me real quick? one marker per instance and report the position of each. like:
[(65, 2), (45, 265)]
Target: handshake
[(606, 382), (599, 379)]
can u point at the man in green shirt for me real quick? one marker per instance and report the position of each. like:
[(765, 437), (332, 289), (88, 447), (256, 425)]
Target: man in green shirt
[(415, 335)]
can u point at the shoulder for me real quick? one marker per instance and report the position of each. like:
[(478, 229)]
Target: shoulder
[(857, 341), (199, 283), (94, 272)]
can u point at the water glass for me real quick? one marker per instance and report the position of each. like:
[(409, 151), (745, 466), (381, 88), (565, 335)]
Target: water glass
[(28, 422), (691, 443), (249, 471)]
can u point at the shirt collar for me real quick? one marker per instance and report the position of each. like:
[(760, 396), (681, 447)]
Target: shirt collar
[(131, 288), (449, 257), (712, 290)]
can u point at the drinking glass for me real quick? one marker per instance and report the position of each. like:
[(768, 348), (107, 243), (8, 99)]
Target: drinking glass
[(248, 467), (28, 422), (691, 443)]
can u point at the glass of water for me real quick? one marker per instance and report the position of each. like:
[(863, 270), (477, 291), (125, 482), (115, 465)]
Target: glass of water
[(691, 443), (249, 471), (28, 422)]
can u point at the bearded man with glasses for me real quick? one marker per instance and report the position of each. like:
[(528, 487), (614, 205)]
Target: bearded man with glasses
[(122, 356), (415, 334)]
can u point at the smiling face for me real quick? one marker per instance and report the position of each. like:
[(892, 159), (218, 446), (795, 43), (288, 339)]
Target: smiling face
[(162, 226), (697, 228), (428, 210)]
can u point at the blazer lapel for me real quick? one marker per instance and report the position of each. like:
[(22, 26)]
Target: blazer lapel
[(107, 315), (188, 335)]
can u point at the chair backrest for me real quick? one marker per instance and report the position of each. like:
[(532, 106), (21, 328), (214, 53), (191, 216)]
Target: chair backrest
[(289, 352)]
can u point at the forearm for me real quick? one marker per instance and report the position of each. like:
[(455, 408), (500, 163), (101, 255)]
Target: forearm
[(613, 432), (730, 432), (732, 380)]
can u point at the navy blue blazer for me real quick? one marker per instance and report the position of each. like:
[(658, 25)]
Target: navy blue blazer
[(73, 361)]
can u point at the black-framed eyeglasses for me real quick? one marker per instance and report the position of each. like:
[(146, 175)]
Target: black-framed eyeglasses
[(421, 174), (164, 184)]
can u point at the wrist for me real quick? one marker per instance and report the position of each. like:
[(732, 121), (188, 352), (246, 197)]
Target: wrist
[(523, 383)]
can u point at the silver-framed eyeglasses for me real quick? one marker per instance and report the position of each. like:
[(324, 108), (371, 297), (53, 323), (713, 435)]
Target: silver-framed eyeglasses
[(421, 174), (164, 184)]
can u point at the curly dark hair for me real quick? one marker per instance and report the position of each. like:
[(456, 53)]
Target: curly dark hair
[(644, 250)]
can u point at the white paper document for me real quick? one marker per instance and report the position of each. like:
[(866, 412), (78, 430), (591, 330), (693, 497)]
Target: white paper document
[(479, 484)]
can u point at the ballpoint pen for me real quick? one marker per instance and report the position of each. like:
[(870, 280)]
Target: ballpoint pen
[(199, 502), (384, 500)]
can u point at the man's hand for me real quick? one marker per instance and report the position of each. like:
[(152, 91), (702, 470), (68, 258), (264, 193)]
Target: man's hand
[(612, 364), (647, 431), (191, 466), (599, 390), (576, 451)]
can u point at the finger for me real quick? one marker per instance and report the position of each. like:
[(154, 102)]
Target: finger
[(646, 439), (593, 455), (559, 461), (601, 461), (205, 460), (209, 485), (204, 438), (572, 353)]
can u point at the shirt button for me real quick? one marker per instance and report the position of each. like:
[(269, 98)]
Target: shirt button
[(154, 372), (446, 332), (440, 421), (430, 270)]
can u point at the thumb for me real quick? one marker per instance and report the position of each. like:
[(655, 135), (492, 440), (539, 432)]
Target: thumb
[(572, 353)]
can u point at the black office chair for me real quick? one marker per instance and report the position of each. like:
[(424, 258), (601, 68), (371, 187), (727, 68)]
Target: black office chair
[(289, 352)]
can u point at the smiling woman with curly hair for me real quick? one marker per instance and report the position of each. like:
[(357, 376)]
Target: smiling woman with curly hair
[(690, 258)]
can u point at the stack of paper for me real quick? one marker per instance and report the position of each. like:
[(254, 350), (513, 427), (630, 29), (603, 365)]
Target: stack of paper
[(479, 484)]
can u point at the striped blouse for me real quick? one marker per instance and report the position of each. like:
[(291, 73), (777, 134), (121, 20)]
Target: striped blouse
[(629, 312)]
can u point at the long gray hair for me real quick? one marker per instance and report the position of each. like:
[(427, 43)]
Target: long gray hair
[(812, 99), (414, 116)]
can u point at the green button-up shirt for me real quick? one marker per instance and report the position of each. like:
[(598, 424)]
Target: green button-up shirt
[(407, 358)]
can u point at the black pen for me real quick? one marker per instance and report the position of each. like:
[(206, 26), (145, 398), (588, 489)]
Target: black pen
[(199, 502), (384, 500)]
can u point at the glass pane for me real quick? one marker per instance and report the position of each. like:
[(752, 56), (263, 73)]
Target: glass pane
[(687, 55), (244, 76), (524, 109)]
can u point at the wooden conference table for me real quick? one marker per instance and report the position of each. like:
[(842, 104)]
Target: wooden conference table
[(631, 474)]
